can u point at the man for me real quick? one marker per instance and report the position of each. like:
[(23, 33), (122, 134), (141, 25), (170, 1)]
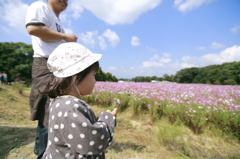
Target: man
[(42, 22)]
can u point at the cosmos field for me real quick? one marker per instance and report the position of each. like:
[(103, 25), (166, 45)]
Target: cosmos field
[(196, 105)]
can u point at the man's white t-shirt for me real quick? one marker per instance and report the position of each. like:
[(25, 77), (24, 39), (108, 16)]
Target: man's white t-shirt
[(40, 14)]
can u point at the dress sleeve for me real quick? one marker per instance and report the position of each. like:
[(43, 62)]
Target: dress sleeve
[(37, 14), (84, 137)]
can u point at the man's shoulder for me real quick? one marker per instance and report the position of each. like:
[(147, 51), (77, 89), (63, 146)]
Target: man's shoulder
[(38, 9), (39, 4)]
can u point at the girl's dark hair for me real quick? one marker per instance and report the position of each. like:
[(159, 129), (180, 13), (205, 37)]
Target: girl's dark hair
[(61, 86)]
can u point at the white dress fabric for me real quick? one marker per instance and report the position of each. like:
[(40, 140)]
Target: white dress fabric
[(75, 132)]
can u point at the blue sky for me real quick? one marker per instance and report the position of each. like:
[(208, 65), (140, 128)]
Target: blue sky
[(143, 37)]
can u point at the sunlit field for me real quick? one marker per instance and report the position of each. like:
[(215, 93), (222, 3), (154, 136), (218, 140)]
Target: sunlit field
[(155, 121), (198, 106)]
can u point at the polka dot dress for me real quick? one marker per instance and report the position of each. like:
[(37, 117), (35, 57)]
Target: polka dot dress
[(75, 132)]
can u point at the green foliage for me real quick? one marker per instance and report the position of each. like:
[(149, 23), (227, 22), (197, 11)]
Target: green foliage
[(16, 60), (147, 78), (229, 82), (101, 76), (19, 85), (170, 134), (226, 74), (106, 99), (217, 82), (115, 102)]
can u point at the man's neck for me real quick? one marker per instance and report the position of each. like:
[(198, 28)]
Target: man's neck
[(54, 11)]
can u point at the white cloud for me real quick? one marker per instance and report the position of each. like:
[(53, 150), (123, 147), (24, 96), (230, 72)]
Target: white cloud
[(228, 55), (186, 65), (135, 41), (111, 68), (235, 29), (187, 5), (114, 12), (151, 49), (166, 55), (63, 17), (177, 2), (6, 29), (102, 43), (215, 45), (158, 66), (14, 13), (134, 71), (156, 61), (77, 8), (112, 37), (68, 31), (89, 38), (201, 48), (92, 38), (152, 64), (187, 58)]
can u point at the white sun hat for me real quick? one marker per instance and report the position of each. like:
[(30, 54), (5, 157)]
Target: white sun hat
[(71, 58)]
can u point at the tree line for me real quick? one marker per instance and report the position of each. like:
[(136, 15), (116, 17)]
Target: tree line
[(224, 74), (16, 61), (166, 77)]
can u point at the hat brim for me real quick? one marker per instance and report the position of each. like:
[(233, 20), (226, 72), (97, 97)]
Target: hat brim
[(77, 67)]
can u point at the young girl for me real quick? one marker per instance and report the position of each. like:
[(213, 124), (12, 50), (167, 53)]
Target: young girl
[(74, 131)]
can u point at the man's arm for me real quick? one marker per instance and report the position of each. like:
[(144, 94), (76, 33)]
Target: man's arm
[(44, 32)]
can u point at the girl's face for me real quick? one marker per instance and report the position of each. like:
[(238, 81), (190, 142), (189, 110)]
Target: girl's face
[(87, 84)]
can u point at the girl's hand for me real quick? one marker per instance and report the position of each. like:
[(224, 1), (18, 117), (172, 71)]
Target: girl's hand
[(114, 112)]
